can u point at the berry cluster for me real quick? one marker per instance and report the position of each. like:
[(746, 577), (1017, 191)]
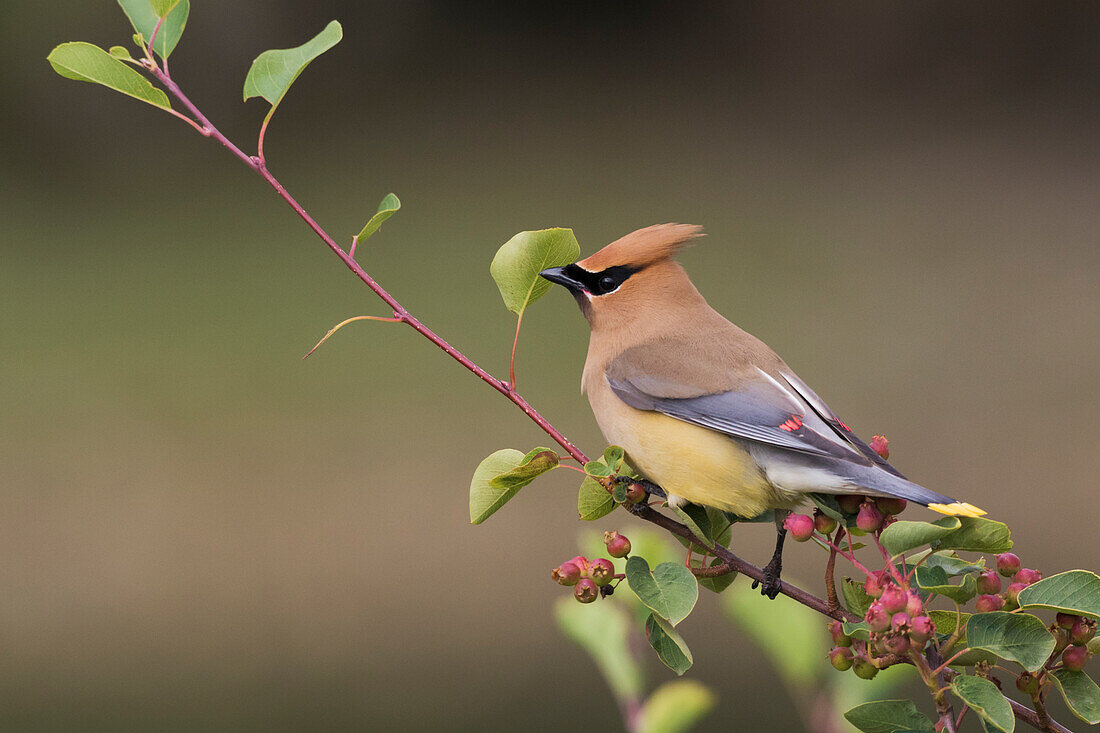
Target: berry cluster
[(989, 584), (591, 579), (872, 515), (1072, 633)]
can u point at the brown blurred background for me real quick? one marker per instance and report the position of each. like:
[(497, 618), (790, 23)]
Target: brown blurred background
[(200, 530)]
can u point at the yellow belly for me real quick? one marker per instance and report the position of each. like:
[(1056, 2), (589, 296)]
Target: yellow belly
[(700, 465)]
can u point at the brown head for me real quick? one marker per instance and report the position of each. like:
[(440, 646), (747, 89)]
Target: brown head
[(633, 281)]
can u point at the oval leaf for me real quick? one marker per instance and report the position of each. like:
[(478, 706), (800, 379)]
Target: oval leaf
[(903, 536), (387, 208), (986, 700), (669, 590), (675, 707), (121, 53), (533, 465), (856, 599), (594, 501), (1080, 693), (889, 716), (934, 580), (518, 262), (671, 648), (144, 19), (87, 62), (484, 498), (977, 535), (1074, 591), (272, 73), (1019, 637)]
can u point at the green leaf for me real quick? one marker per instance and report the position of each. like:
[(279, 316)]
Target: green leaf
[(1019, 637), (720, 583), (674, 707), (934, 580), (144, 19), (602, 630), (597, 468), (695, 520), (903, 536), (1074, 591), (87, 62), (518, 262), (533, 465), (797, 652), (889, 716), (945, 621), (671, 648), (272, 73), (985, 700), (1080, 693), (613, 456), (857, 630), (121, 53), (951, 563), (669, 590), (856, 599), (389, 206), (484, 497), (163, 7), (594, 501), (977, 535), (827, 503)]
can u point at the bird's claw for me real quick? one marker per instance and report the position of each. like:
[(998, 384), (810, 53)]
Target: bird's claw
[(772, 583)]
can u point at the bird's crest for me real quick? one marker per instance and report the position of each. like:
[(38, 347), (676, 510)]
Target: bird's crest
[(644, 247)]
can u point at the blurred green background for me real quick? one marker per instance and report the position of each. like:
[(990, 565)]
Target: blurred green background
[(200, 530)]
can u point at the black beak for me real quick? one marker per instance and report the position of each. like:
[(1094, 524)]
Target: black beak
[(560, 276)]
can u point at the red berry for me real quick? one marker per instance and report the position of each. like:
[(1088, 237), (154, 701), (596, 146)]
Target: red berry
[(1083, 631), (880, 445), (1027, 576), (988, 603), (869, 518), (617, 544), (921, 629), (1075, 658), (989, 583), (896, 644), (1012, 595), (800, 526), (823, 523), (894, 599), (1008, 564), (1066, 620), (914, 606), (849, 503), (877, 618), (875, 584), (581, 562), (586, 590), (890, 506), (602, 571), (1027, 683), (841, 658), (635, 493), (836, 630), (899, 622), (566, 574)]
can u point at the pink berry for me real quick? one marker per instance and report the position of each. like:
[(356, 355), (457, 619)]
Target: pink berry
[(1083, 631), (880, 445), (913, 605), (878, 618), (581, 562), (1066, 620), (989, 583), (841, 658), (921, 629), (1008, 564), (602, 571), (800, 526), (823, 523), (899, 622), (635, 493), (894, 599), (617, 544), (836, 630), (1027, 576), (874, 585), (890, 506), (988, 603), (1075, 658), (896, 644), (869, 518), (566, 574), (586, 590), (1012, 595)]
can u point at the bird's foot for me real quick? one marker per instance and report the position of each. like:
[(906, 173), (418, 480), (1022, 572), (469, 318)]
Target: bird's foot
[(772, 583)]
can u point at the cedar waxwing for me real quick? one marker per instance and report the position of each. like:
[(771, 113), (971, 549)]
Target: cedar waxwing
[(704, 410)]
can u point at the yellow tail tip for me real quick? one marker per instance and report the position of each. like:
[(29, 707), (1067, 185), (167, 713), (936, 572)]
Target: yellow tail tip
[(958, 509)]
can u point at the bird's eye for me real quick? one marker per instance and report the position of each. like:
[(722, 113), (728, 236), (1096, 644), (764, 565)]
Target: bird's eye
[(607, 284)]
